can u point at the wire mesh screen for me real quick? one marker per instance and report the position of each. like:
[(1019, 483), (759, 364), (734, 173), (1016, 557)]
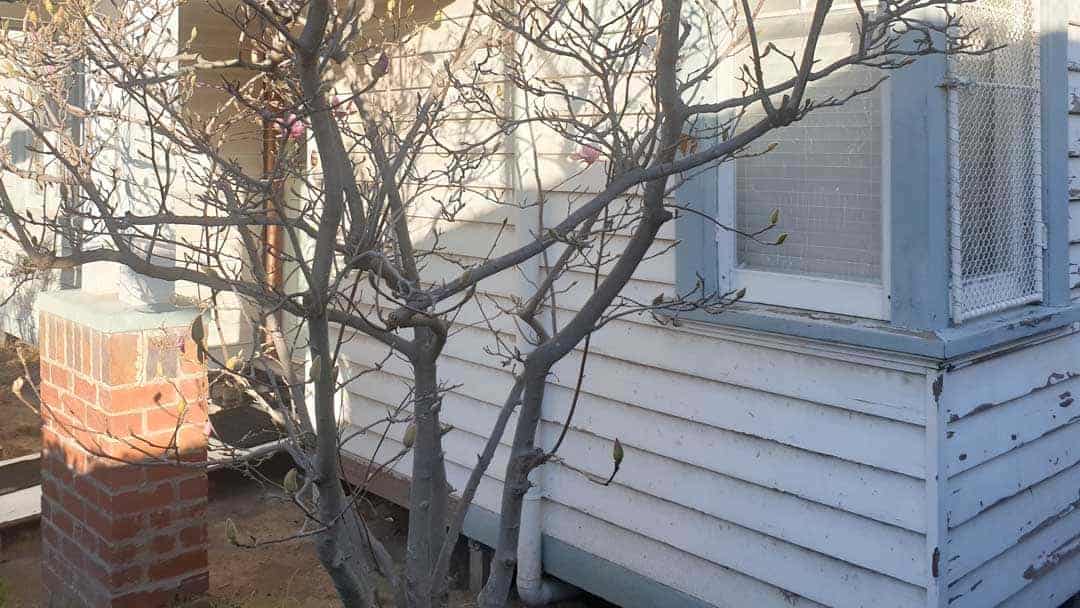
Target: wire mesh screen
[(825, 173), (995, 161)]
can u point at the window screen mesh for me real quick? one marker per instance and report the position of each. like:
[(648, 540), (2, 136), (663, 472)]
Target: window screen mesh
[(824, 175), (995, 161)]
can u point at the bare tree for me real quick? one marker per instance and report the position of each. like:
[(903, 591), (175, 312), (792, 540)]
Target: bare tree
[(322, 249)]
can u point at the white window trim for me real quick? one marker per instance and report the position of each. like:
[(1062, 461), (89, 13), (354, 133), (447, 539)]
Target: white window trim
[(820, 294)]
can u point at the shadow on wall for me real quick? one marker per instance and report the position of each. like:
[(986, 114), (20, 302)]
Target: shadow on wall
[(17, 316)]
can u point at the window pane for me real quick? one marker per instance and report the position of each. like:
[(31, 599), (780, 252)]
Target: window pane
[(824, 175)]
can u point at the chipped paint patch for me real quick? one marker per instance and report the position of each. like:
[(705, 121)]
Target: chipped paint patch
[(1047, 563), (1049, 521), (1051, 380)]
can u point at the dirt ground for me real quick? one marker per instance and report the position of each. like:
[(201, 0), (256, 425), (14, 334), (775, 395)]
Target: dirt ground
[(285, 575), (19, 433)]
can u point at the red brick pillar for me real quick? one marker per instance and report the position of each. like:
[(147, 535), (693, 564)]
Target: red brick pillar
[(122, 392)]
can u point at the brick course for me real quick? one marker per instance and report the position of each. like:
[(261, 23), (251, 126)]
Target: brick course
[(121, 527)]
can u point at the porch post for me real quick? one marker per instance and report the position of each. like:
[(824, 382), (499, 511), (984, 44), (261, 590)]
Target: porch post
[(124, 489)]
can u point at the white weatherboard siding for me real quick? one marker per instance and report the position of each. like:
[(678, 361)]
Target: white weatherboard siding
[(1011, 455), (727, 468)]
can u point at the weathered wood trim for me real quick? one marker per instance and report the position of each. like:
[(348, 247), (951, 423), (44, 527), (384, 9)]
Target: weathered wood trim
[(919, 278), (1055, 152), (1020, 566), (991, 379), (946, 345), (937, 529), (1053, 588)]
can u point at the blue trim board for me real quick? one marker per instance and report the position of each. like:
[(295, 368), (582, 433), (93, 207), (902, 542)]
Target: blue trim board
[(701, 193), (1055, 150), (970, 338), (918, 195)]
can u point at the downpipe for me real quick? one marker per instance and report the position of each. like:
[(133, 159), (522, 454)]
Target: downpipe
[(533, 587)]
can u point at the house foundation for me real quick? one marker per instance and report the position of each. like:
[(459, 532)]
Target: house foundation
[(123, 399)]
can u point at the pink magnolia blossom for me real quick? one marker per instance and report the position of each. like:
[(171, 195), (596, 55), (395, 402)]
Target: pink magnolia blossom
[(293, 127), (587, 155), (337, 107)]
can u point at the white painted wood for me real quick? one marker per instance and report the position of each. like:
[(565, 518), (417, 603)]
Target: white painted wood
[(851, 487), (853, 298), (20, 506), (1011, 521), (974, 491), (937, 530), (780, 515), (976, 438), (883, 393), (818, 577), (1012, 495), (871, 440), (1009, 376), (721, 587), (1004, 576)]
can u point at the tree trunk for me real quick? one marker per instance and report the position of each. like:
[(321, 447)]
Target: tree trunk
[(334, 546), (524, 457), (429, 491)]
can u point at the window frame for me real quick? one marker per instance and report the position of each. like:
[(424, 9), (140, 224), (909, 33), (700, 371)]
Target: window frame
[(804, 291), (917, 279)]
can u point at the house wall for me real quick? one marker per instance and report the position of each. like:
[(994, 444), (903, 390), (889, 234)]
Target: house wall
[(1012, 467), (16, 316), (744, 483), (216, 40), (242, 143)]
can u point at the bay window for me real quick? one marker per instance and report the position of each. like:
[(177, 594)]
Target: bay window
[(934, 202)]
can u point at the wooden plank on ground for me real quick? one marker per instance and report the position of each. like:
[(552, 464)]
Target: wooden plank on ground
[(20, 507)]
